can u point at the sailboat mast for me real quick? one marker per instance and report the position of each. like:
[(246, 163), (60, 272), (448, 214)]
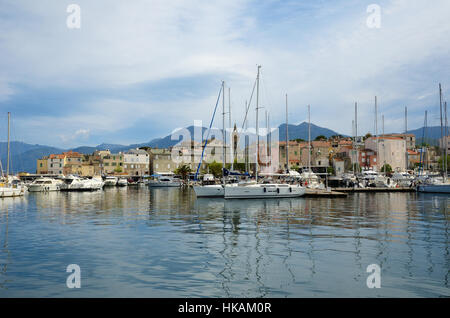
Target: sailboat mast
[(353, 148), (287, 136), (376, 130), (384, 154), (445, 142), (440, 105), (8, 155), (425, 138), (257, 130), (229, 127), (356, 134), (406, 137), (223, 132), (247, 169), (309, 139)]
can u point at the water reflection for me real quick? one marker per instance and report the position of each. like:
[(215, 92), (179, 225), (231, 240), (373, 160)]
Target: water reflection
[(157, 242)]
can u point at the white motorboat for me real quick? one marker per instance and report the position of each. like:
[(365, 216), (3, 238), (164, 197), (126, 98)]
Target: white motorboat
[(311, 180), (75, 183), (164, 181), (44, 185), (111, 181), (403, 179), (261, 191), (96, 183), (122, 182)]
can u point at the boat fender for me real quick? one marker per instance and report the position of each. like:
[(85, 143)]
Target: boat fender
[(265, 190), (290, 189), (278, 190)]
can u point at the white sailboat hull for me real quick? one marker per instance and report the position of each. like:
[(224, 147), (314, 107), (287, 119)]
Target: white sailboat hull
[(262, 191), (214, 190), (8, 192)]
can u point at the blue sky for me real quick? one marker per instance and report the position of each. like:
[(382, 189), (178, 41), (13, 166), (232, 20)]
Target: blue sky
[(137, 70)]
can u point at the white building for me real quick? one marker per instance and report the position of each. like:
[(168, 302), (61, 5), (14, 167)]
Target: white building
[(442, 143), (390, 150), (136, 162)]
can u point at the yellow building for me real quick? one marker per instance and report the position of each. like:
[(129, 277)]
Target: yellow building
[(42, 166)]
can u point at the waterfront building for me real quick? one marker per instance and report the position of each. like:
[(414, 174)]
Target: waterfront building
[(112, 163), (42, 166), (367, 159), (413, 158), (136, 162), (391, 150), (442, 142), (410, 139), (56, 163), (294, 155), (160, 160), (73, 157)]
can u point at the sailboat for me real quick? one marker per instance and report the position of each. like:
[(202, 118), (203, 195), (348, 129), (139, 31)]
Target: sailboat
[(309, 178), (438, 185), (265, 190), (213, 190), (9, 187)]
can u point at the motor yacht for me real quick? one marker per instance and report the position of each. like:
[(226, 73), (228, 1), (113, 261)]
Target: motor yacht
[(111, 181), (164, 181), (122, 182), (45, 184)]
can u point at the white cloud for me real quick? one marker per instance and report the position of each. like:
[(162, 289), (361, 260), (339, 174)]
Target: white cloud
[(329, 64)]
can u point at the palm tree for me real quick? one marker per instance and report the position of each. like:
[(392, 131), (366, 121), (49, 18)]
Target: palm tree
[(183, 170)]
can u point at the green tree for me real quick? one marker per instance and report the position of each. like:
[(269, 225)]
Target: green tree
[(215, 168), (118, 170), (368, 135), (386, 168), (330, 170), (321, 138), (239, 166), (441, 166)]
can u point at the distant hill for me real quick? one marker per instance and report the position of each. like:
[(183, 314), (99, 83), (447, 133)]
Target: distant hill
[(24, 156), (301, 131), (432, 135)]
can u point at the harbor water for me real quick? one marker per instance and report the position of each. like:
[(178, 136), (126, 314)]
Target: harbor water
[(164, 242)]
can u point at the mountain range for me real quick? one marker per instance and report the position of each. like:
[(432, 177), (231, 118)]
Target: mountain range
[(24, 156)]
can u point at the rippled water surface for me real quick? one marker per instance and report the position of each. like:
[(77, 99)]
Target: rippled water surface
[(141, 242)]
